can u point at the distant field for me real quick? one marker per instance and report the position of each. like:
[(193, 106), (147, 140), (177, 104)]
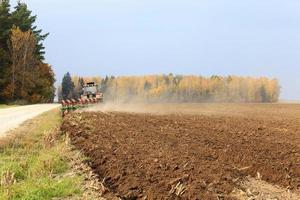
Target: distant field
[(190, 151)]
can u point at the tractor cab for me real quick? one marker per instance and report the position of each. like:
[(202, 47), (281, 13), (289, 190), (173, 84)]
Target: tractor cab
[(91, 90)]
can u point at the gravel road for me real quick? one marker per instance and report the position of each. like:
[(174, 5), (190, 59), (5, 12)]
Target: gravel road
[(11, 118)]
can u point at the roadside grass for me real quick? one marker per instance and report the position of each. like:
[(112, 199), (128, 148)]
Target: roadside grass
[(6, 106), (35, 162)]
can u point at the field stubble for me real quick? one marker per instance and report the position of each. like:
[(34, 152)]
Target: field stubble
[(192, 151)]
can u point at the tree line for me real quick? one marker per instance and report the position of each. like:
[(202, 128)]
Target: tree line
[(178, 88), (24, 76)]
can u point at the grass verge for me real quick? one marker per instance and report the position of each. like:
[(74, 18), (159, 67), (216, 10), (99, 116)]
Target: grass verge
[(6, 106), (35, 162)]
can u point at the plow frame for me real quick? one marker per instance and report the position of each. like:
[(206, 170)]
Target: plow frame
[(70, 105)]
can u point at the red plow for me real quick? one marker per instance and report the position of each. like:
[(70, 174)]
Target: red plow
[(70, 105)]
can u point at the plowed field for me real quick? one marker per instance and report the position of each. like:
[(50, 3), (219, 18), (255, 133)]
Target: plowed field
[(189, 156)]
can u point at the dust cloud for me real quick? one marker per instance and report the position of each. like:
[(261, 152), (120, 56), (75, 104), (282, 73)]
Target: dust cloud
[(130, 108), (248, 110)]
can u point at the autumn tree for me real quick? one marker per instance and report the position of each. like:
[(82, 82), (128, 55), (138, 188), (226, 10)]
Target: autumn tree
[(22, 53), (178, 88), (43, 89), (21, 57), (31, 80), (21, 48)]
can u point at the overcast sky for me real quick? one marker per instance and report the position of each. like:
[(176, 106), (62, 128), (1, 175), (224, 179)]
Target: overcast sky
[(201, 37)]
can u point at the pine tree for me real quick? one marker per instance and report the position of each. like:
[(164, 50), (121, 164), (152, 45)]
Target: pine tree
[(5, 25), (23, 18), (147, 86), (104, 84), (81, 82), (81, 85), (264, 95), (67, 86), (78, 88)]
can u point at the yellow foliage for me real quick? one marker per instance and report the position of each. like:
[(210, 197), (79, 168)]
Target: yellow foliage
[(176, 88)]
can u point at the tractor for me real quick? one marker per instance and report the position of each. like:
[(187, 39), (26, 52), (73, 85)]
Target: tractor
[(91, 91), (90, 95)]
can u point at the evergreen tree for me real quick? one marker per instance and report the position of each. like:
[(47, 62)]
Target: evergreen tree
[(5, 25), (67, 86), (23, 18), (147, 86), (78, 88), (264, 95), (104, 84), (81, 85)]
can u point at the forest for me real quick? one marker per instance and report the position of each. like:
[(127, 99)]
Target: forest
[(176, 88), (24, 75)]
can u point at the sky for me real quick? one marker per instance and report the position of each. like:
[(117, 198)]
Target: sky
[(200, 37)]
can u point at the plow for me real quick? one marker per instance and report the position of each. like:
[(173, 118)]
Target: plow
[(91, 95)]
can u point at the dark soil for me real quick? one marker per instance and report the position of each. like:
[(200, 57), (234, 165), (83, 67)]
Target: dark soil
[(146, 156)]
